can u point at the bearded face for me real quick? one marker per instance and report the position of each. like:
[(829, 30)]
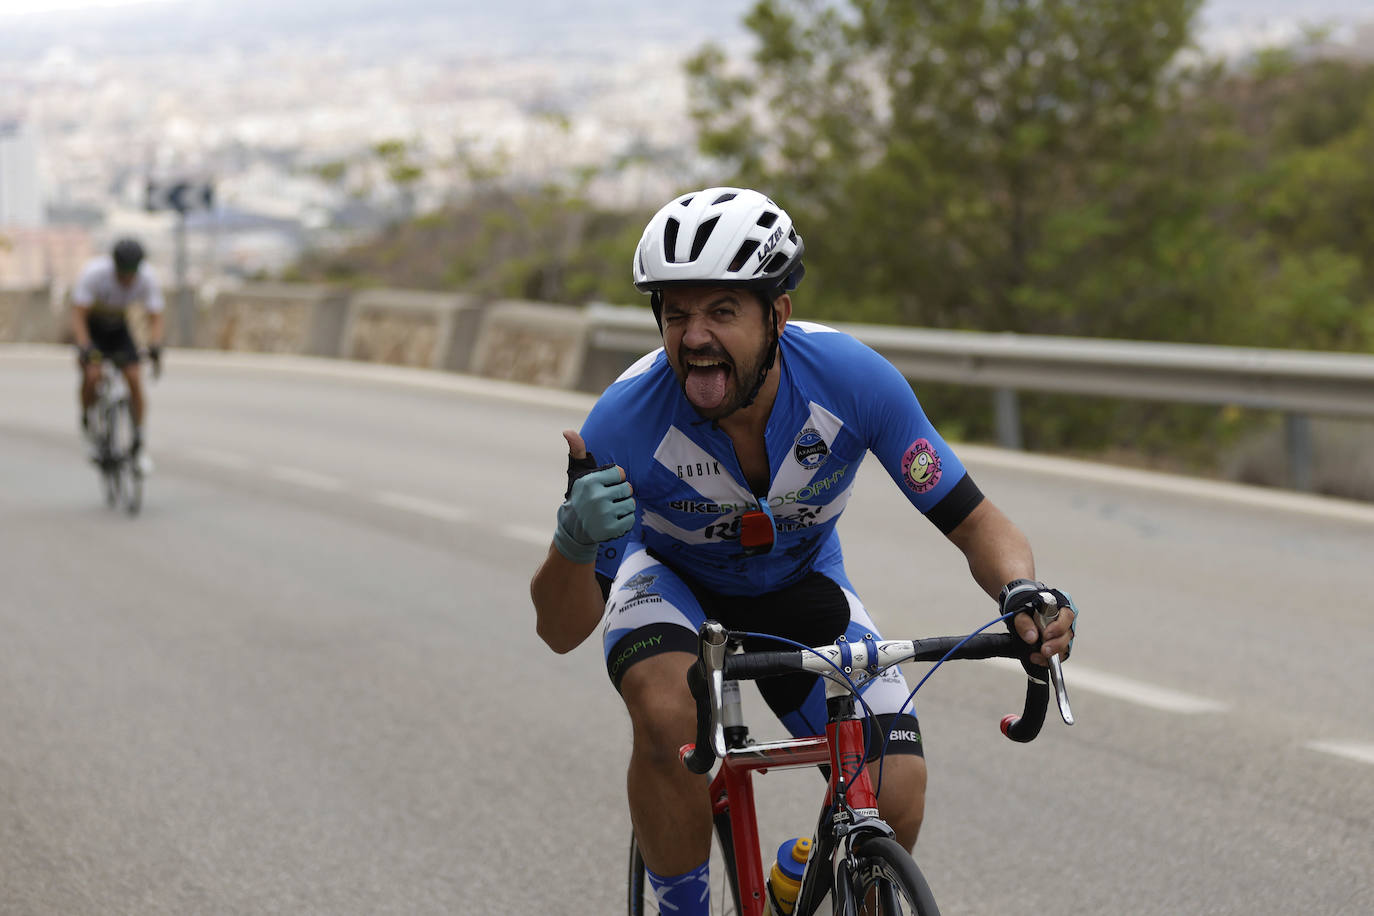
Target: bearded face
[(718, 342)]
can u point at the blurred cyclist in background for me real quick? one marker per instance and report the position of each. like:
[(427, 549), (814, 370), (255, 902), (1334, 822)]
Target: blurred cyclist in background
[(100, 302)]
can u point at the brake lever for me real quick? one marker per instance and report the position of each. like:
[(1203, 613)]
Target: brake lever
[(1044, 616), (713, 645)]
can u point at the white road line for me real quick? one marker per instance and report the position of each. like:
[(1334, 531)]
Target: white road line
[(539, 537), (301, 476), (1361, 751), (218, 457), (419, 505), (1120, 688)]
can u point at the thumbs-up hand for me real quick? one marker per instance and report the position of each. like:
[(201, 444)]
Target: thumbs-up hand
[(598, 505)]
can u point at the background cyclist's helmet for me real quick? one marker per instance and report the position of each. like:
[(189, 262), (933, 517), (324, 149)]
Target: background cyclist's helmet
[(719, 237), (128, 254)]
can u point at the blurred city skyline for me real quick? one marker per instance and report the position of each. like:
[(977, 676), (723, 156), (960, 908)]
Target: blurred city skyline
[(1218, 16), (283, 105)]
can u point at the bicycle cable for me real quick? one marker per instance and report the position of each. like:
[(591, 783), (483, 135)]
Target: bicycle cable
[(869, 716), (882, 756)]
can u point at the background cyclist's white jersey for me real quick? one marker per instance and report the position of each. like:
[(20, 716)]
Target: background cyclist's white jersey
[(99, 290)]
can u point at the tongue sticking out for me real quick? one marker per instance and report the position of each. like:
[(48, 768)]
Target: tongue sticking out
[(706, 387)]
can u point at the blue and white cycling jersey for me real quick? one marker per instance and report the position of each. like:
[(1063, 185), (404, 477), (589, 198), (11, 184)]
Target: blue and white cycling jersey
[(837, 400)]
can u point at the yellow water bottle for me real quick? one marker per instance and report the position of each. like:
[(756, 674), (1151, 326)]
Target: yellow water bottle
[(784, 881)]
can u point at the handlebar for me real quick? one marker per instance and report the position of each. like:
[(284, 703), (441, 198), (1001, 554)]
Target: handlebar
[(714, 666)]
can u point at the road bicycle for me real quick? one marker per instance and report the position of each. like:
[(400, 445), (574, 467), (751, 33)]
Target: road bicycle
[(854, 866), (111, 424)]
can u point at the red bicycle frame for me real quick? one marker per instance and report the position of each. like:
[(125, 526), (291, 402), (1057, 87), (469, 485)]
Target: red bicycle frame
[(732, 793), (850, 819)]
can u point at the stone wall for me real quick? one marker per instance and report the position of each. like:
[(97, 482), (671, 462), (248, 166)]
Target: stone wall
[(409, 328), (263, 318), (27, 316), (531, 343)]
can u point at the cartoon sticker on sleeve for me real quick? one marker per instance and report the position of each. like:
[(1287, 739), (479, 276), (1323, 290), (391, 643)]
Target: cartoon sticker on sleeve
[(921, 466)]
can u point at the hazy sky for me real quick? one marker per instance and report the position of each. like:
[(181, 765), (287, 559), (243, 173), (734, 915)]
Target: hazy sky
[(1217, 12), (15, 7), (1225, 24)]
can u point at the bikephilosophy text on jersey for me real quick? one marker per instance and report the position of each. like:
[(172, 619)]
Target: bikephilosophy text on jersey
[(837, 400)]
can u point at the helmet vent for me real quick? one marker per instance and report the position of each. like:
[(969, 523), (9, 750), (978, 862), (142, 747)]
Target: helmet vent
[(703, 234), (775, 263), (745, 250), (768, 219), (670, 240), (723, 198)]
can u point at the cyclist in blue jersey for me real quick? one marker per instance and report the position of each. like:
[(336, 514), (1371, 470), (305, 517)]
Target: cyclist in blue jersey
[(707, 482)]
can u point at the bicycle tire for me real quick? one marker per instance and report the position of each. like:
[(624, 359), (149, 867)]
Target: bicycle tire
[(110, 479), (133, 477), (887, 871), (109, 413), (133, 487), (110, 472), (99, 437), (724, 890)]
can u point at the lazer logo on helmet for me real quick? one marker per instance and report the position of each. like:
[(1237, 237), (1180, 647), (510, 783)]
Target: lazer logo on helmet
[(767, 247)]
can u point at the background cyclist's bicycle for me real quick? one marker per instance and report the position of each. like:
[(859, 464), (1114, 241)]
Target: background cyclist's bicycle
[(110, 422)]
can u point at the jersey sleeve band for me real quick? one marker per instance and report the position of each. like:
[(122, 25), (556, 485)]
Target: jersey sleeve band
[(956, 505)]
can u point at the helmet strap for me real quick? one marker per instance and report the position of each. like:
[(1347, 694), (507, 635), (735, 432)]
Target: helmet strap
[(767, 298)]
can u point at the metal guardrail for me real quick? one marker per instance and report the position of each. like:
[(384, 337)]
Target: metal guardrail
[(1299, 383)]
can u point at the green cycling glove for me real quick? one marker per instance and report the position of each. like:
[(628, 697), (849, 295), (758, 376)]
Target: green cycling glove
[(599, 507)]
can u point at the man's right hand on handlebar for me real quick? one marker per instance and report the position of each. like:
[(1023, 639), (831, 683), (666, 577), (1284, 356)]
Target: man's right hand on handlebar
[(598, 506), (1022, 596)]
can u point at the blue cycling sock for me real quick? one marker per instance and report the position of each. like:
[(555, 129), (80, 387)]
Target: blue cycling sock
[(683, 895)]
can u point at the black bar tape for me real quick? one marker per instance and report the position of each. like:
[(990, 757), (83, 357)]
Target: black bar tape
[(1032, 717), (984, 645), (702, 756)]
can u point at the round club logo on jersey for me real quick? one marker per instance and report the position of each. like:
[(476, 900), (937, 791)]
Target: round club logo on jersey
[(921, 466), (810, 450), (641, 585)]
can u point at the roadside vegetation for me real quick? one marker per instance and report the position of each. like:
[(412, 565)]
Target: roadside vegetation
[(1070, 168)]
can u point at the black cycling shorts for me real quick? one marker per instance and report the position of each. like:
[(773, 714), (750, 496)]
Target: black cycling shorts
[(652, 609), (110, 335)]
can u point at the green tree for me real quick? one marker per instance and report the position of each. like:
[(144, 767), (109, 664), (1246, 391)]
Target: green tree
[(945, 145), (1309, 204)]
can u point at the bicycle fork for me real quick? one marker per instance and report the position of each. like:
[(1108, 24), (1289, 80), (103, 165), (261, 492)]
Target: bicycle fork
[(851, 806)]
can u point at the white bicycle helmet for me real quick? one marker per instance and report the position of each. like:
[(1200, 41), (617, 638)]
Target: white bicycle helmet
[(722, 237)]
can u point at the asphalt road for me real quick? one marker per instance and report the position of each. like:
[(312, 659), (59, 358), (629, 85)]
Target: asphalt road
[(306, 679)]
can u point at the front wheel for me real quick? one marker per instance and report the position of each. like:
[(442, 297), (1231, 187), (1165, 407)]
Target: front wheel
[(133, 486), (109, 477), (886, 882)]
